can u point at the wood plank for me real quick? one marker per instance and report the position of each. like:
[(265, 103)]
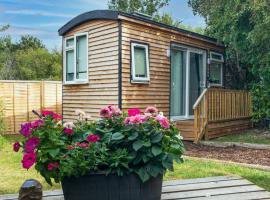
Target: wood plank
[(210, 192), (209, 185), (200, 180), (238, 196)]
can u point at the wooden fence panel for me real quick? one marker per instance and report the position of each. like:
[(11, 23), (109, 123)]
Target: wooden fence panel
[(19, 98)]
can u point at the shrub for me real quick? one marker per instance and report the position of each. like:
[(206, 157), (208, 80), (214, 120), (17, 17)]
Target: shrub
[(119, 143)]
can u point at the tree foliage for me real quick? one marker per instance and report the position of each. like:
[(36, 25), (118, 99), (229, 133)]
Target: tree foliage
[(244, 27), (28, 59), (149, 7)]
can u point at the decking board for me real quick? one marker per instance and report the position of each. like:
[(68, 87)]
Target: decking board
[(211, 188)]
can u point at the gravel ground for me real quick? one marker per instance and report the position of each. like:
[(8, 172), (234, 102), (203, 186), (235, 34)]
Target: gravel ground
[(235, 154)]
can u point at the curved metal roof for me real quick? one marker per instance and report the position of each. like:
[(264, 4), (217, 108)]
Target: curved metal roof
[(114, 15)]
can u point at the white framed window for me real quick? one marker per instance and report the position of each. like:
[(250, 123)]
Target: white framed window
[(76, 59), (140, 63), (216, 69)]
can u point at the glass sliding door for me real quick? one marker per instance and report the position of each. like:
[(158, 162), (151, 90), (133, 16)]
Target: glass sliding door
[(196, 78), (188, 75), (178, 83)]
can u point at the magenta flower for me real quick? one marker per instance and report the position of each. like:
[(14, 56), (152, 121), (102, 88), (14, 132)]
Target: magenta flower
[(52, 166), (163, 121), (31, 144), (93, 138), (151, 109), (16, 146), (26, 129), (105, 112), (68, 131), (133, 112), (46, 113), (28, 160), (37, 123)]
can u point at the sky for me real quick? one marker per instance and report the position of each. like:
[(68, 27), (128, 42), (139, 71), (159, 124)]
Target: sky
[(43, 18)]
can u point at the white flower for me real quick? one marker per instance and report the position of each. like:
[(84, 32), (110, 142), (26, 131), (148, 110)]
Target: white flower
[(69, 125), (161, 114)]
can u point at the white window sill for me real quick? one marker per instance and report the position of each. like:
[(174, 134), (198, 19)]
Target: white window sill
[(146, 82), (76, 83), (174, 119), (216, 85)]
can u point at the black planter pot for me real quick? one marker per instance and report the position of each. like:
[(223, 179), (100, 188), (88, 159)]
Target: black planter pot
[(111, 187)]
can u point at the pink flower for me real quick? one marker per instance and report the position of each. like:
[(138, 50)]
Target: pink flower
[(151, 109), (16, 146), (133, 112), (52, 165), (83, 145), (26, 129), (115, 110), (163, 121), (46, 113), (137, 119), (127, 120), (93, 138), (105, 112), (70, 147), (31, 144), (68, 131), (28, 160), (37, 123)]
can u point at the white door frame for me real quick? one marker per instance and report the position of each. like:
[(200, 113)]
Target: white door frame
[(189, 50)]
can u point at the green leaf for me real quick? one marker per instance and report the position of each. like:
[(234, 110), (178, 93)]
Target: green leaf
[(157, 137), (167, 162), (53, 152), (147, 143), (117, 136), (137, 145), (154, 170), (156, 150), (144, 176), (133, 136)]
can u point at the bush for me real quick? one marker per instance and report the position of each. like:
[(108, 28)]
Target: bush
[(118, 143)]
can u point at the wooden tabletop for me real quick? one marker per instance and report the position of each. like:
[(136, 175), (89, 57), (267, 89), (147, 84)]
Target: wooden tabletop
[(212, 188)]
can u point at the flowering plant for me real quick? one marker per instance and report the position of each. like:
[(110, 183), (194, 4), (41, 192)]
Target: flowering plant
[(121, 143)]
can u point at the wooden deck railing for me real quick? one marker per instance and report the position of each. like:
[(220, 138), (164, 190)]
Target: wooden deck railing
[(216, 105)]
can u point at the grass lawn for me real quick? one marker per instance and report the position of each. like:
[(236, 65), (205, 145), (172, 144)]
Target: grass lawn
[(12, 175), (250, 136)]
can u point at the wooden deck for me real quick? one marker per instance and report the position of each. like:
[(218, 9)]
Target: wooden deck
[(212, 188)]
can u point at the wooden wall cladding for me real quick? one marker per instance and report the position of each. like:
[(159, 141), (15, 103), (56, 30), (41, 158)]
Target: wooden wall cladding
[(157, 92), (102, 88)]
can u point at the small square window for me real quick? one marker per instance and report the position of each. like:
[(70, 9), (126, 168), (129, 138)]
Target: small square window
[(216, 74), (216, 69), (140, 62)]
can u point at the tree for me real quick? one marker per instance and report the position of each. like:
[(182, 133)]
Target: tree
[(244, 27), (149, 7), (30, 42), (28, 59), (4, 27)]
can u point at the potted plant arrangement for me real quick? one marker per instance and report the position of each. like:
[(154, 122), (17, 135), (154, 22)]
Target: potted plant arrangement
[(119, 156)]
